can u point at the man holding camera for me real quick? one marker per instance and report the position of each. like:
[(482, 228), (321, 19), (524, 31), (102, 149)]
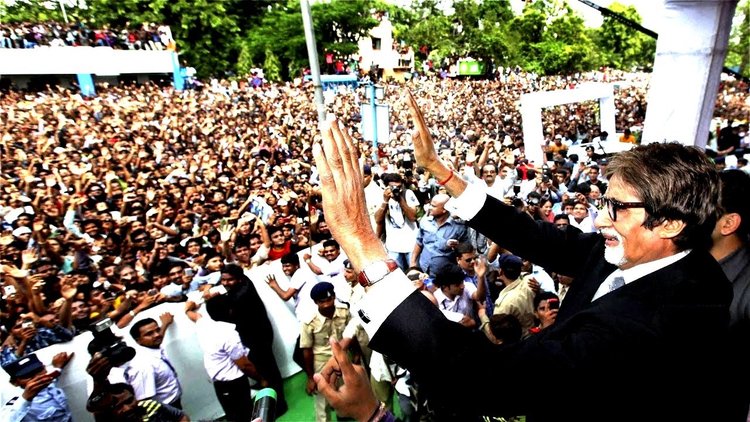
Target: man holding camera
[(398, 216)]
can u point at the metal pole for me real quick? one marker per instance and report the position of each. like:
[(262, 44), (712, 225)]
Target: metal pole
[(62, 7), (374, 108), (312, 54)]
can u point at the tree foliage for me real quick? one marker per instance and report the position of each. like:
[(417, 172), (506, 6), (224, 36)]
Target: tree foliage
[(621, 46), (233, 36), (339, 24), (738, 54)]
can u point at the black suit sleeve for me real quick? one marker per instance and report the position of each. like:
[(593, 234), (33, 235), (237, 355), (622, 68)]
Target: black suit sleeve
[(540, 242)]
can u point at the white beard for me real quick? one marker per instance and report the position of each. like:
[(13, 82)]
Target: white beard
[(615, 254)]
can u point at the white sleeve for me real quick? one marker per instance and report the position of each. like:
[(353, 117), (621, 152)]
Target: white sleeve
[(15, 409), (411, 199), (382, 298), (234, 347), (468, 204), (350, 331), (143, 382)]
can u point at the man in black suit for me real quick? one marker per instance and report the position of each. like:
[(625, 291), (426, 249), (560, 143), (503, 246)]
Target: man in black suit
[(640, 335)]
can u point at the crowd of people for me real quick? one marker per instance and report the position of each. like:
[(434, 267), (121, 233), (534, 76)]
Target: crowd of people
[(146, 36), (114, 204)]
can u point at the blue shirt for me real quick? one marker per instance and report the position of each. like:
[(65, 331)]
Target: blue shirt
[(50, 404), (44, 337), (489, 305), (434, 239)]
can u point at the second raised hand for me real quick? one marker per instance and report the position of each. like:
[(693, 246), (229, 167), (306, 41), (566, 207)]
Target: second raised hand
[(424, 147)]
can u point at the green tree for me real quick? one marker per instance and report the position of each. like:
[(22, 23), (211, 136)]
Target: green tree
[(552, 39), (481, 29), (338, 25), (738, 54), (621, 46), (38, 11)]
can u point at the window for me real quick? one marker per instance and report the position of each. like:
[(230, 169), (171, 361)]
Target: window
[(376, 43)]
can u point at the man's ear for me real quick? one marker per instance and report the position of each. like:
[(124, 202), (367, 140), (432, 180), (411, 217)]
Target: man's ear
[(729, 223), (669, 229)]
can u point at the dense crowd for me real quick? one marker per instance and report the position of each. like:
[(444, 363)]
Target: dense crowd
[(147, 36), (113, 204)]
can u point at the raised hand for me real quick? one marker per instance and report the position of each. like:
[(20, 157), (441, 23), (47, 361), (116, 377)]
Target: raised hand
[(166, 318), (61, 359), (225, 230), (480, 266), (37, 384), (424, 147), (344, 198), (29, 256)]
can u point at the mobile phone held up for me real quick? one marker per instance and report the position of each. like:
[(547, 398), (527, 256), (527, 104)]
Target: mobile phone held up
[(218, 290)]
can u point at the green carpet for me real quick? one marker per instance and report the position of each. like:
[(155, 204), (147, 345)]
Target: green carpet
[(301, 407), (300, 404)]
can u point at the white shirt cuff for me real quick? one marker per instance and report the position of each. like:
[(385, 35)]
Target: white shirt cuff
[(468, 204), (382, 298)]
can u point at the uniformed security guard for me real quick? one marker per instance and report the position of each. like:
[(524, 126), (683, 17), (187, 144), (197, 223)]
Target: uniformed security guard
[(329, 320), (40, 398)]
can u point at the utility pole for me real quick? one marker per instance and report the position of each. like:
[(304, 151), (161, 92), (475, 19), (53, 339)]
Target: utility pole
[(312, 54)]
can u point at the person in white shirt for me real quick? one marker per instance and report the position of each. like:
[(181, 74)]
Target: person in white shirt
[(496, 187), (330, 264), (297, 284), (581, 218), (373, 194), (398, 216), (151, 373), (226, 362)]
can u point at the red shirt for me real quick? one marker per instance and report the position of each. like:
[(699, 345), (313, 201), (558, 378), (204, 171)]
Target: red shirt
[(278, 253)]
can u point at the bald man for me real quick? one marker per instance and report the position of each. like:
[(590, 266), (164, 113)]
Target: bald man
[(438, 234)]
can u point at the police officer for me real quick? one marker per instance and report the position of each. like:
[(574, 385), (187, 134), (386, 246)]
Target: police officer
[(40, 398), (328, 320)]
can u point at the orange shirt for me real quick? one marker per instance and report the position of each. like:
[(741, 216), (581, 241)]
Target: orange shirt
[(629, 139)]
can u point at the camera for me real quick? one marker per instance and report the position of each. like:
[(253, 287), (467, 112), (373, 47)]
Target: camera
[(109, 345), (396, 191)]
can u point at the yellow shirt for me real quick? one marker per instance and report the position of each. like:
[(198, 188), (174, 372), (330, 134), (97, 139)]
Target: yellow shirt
[(316, 332)]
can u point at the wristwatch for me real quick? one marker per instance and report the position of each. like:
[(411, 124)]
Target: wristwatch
[(376, 271)]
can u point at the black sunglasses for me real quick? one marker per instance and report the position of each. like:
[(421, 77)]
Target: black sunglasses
[(614, 205)]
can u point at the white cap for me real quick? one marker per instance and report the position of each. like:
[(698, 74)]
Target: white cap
[(21, 231)]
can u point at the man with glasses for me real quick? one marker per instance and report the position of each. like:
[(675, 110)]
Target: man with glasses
[(475, 271), (647, 314)]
